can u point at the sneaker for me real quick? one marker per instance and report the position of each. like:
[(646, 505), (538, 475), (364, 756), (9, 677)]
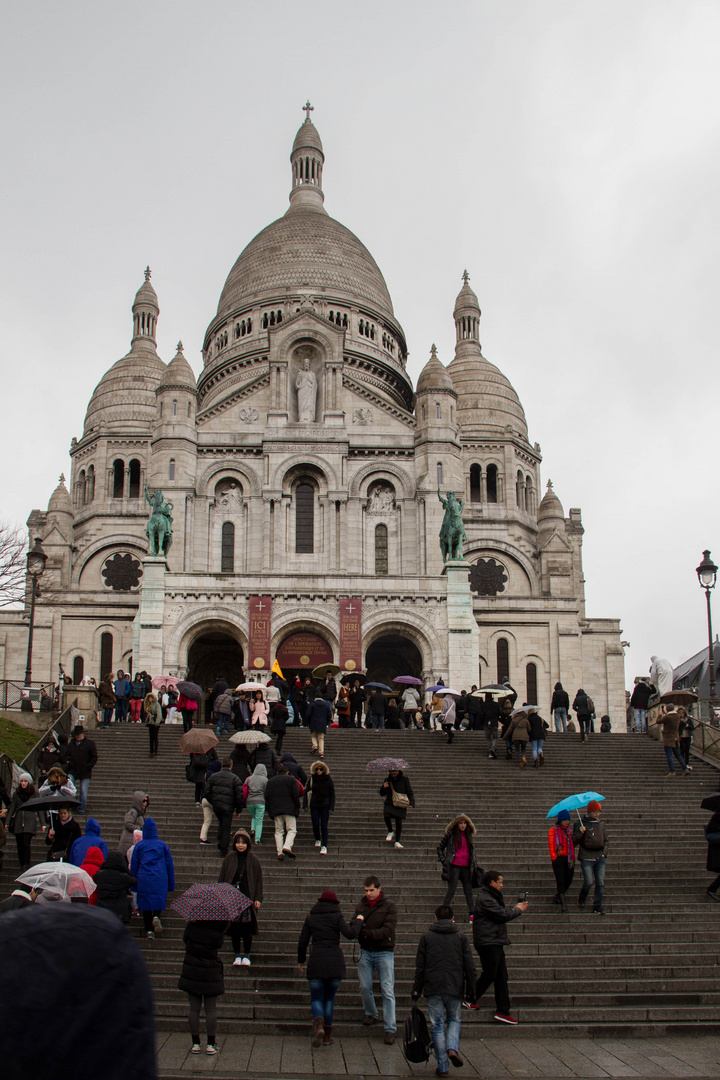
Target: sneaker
[(290, 854), (195, 1048), (669, 774), (281, 856), (389, 1038), (317, 843), (455, 1058), (237, 962), (370, 1021), (157, 925), (323, 851), (398, 844), (212, 1048), (523, 762), (686, 772), (197, 804), (150, 934), (505, 1018), (245, 961), (204, 841), (389, 838), (598, 911), (492, 755), (470, 1005)]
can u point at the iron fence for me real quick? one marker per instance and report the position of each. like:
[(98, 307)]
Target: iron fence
[(11, 692)]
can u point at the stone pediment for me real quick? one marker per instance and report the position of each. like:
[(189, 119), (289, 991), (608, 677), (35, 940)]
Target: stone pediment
[(244, 388), (56, 538), (556, 543), (369, 398)]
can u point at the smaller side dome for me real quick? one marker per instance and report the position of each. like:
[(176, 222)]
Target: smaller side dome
[(550, 508), (434, 376), (60, 501), (178, 373)]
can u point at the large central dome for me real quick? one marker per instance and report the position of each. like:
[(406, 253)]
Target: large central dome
[(306, 249)]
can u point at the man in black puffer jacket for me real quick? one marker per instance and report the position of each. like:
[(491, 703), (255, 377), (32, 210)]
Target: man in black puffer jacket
[(490, 937), (224, 793), (444, 972), (282, 804)]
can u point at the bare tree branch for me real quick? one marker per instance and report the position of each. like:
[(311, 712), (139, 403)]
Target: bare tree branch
[(13, 554)]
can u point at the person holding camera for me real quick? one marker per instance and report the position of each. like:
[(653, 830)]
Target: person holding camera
[(490, 938)]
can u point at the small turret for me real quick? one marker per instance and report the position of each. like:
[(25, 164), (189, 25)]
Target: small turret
[(307, 159), (466, 314), (145, 314)]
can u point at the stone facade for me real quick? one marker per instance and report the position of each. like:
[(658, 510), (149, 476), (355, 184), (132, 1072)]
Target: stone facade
[(303, 467)]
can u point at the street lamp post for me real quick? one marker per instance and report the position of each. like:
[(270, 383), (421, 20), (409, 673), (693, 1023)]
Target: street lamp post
[(36, 559), (707, 576)]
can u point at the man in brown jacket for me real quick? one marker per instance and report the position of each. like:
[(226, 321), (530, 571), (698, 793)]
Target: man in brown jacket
[(377, 941), (670, 722)]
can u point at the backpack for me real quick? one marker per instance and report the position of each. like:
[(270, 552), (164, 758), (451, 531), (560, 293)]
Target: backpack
[(590, 705), (416, 1037), (594, 837)]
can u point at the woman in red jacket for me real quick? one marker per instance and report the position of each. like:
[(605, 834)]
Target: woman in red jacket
[(562, 853)]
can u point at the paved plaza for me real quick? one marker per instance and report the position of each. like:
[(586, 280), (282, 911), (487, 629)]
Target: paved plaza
[(503, 1056)]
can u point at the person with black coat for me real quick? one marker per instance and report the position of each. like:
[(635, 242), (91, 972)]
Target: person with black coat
[(357, 700), (474, 710), (538, 727), (581, 705), (297, 701), (47, 759), (376, 710), (490, 721), (62, 835), (264, 755), (223, 791), (278, 724), (396, 784), (202, 978), (712, 835), (319, 716), (326, 968), (282, 804), (114, 882), (445, 973), (242, 868), (22, 823), (641, 695), (21, 897), (321, 792), (560, 707), (219, 687), (82, 759), (294, 767), (328, 689), (490, 937)]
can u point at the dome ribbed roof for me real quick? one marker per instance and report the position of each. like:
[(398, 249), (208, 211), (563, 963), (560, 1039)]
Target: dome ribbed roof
[(146, 295), (466, 298), (307, 138), (178, 372), (305, 249), (60, 501), (486, 398), (127, 390), (550, 508), (434, 376)]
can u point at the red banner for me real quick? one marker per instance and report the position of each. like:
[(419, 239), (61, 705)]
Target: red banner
[(258, 656), (351, 635), (304, 650)]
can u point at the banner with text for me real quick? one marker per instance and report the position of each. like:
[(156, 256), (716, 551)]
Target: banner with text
[(351, 635), (259, 656)]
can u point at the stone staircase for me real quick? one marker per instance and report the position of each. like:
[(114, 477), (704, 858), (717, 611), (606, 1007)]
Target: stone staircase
[(650, 966)]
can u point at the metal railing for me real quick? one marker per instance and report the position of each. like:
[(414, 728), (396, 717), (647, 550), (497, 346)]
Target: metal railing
[(11, 696), (706, 738), (64, 723)]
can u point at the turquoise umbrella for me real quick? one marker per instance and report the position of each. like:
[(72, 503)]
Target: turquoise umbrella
[(574, 802)]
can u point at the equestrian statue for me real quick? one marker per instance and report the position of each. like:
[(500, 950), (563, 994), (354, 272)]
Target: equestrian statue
[(159, 527), (452, 532)]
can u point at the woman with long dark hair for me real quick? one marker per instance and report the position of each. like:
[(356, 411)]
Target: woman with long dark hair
[(456, 852), (22, 823), (243, 870), (326, 968)]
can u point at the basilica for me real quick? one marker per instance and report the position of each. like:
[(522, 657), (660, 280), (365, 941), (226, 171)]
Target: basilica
[(302, 478)]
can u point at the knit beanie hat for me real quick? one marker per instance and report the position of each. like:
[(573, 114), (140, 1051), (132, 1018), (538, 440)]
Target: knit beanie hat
[(564, 815), (593, 805), (328, 895)]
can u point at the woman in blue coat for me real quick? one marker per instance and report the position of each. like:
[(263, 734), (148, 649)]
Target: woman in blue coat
[(152, 865)]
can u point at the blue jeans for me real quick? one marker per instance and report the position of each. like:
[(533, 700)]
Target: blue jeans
[(593, 870), (377, 718), (223, 723), (83, 786), (384, 963), (537, 745), (107, 716), (443, 1008), (560, 719), (322, 998), (121, 709), (640, 720), (669, 751)]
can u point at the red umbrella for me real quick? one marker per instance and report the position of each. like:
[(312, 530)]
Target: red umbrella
[(216, 901)]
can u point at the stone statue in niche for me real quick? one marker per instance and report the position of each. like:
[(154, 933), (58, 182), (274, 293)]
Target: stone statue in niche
[(306, 387), (381, 500), (229, 498)]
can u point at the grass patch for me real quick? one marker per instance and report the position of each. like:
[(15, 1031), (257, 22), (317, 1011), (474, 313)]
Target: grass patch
[(16, 741)]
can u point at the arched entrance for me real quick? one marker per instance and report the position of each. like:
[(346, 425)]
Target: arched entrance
[(300, 652), (392, 655), (214, 653)]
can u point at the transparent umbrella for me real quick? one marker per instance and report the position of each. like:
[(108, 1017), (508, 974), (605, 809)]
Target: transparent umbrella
[(59, 881)]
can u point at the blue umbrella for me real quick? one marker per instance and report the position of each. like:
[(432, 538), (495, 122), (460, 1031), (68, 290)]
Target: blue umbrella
[(378, 686), (574, 802)]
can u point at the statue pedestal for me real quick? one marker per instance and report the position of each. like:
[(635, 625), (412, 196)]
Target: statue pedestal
[(463, 634), (149, 621)]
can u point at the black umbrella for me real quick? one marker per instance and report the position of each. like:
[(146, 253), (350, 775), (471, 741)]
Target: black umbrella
[(54, 801), (351, 676), (378, 686), (711, 803), (191, 690)]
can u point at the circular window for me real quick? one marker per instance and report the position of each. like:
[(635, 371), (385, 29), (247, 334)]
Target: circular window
[(487, 577), (122, 573)]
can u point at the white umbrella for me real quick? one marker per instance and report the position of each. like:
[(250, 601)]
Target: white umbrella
[(249, 738), (252, 686), (59, 881), (446, 690)]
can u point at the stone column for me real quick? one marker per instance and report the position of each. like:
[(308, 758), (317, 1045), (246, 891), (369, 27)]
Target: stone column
[(463, 634), (148, 652)]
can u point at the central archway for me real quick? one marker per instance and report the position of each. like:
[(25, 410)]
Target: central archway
[(214, 653), (392, 655)]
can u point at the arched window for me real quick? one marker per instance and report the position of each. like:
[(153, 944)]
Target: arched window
[(90, 485), (171, 470), (304, 518), (227, 551), (174, 408), (475, 493), (381, 549), (437, 410), (531, 694), (423, 412), (439, 473), (519, 490), (118, 478), (503, 659), (189, 406), (106, 654), (491, 480), (80, 498), (529, 495), (78, 670), (134, 491)]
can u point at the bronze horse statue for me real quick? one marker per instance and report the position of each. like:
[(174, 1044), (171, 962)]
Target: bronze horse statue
[(159, 527), (452, 532)]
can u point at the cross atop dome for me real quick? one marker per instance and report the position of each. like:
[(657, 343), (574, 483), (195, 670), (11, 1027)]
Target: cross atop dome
[(308, 108), (148, 273), (466, 276)]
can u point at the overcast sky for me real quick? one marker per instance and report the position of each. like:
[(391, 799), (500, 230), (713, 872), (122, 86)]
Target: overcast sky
[(566, 153)]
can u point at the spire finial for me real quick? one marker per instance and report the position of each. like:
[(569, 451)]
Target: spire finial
[(62, 478), (466, 276), (433, 352), (308, 108), (550, 485), (148, 273), (179, 346)]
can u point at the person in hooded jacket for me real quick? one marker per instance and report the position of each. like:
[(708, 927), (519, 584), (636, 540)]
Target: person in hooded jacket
[(517, 734), (22, 823), (254, 792), (278, 724), (264, 755), (153, 719), (152, 865), (114, 883), (214, 767), (584, 714), (48, 758), (562, 854), (444, 973), (326, 968), (560, 707), (201, 978), (92, 862), (137, 694), (457, 854), (134, 819), (319, 716), (223, 712), (537, 728), (91, 839), (224, 792), (106, 699), (395, 815), (294, 767), (242, 868), (62, 834), (321, 793)]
